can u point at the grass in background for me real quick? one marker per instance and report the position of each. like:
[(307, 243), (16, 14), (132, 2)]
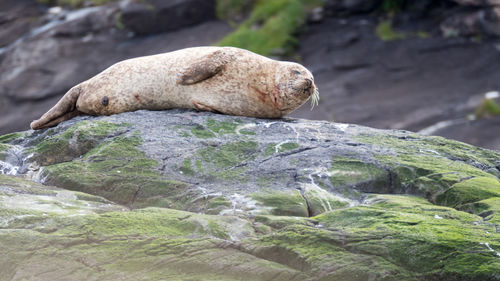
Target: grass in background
[(230, 9), (385, 31), (488, 108), (271, 27)]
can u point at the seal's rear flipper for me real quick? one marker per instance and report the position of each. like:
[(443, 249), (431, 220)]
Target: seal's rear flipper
[(203, 69), (64, 109)]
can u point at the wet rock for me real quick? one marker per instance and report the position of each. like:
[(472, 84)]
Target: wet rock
[(225, 196), (157, 16)]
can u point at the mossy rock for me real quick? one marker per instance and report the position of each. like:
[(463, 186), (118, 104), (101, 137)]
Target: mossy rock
[(118, 171), (366, 176), (75, 141), (290, 200), (469, 191), (284, 203)]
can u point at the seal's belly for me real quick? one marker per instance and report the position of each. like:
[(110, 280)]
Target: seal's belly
[(229, 92)]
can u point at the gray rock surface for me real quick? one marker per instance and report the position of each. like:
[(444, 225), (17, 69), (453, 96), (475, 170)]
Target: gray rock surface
[(158, 16), (213, 197), (212, 154)]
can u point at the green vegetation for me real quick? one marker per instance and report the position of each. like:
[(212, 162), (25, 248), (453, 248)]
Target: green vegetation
[(489, 209), (420, 235), (271, 27), (229, 155), (320, 201), (222, 128), (4, 147), (489, 107), (469, 191), (120, 172), (9, 137), (347, 171), (217, 204), (74, 141), (223, 162), (390, 237), (201, 132), (119, 21), (283, 204), (444, 171), (215, 128), (385, 31), (187, 168), (5, 141), (229, 9), (397, 238), (280, 148)]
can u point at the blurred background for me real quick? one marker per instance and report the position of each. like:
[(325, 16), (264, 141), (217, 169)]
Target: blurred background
[(429, 66)]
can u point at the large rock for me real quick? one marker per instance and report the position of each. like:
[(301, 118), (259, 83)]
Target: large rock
[(345, 7), (220, 197), (474, 18), (157, 16)]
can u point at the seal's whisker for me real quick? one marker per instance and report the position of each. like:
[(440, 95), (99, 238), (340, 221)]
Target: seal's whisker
[(314, 98)]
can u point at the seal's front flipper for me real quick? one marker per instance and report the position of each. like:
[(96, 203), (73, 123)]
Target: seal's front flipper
[(64, 109), (203, 69), (202, 107)]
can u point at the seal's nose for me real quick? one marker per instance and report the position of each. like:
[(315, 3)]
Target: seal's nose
[(309, 83)]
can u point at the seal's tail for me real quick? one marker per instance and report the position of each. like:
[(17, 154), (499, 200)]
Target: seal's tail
[(64, 109)]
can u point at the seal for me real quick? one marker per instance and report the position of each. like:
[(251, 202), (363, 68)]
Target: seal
[(226, 80)]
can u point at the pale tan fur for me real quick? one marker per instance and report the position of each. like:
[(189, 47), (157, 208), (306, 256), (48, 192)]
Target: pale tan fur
[(219, 79)]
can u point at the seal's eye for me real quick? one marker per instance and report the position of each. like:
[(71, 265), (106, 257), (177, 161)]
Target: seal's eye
[(105, 101), (296, 72)]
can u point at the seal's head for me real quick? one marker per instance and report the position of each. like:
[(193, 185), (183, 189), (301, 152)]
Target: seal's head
[(295, 85)]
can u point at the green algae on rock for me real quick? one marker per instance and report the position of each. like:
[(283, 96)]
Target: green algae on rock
[(280, 147), (284, 204), (348, 171), (73, 142), (118, 171), (288, 199), (469, 191)]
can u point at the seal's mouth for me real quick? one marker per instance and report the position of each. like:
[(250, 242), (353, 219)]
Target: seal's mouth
[(314, 93), (308, 88)]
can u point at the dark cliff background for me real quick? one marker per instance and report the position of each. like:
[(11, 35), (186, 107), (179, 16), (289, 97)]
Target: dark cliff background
[(425, 66)]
